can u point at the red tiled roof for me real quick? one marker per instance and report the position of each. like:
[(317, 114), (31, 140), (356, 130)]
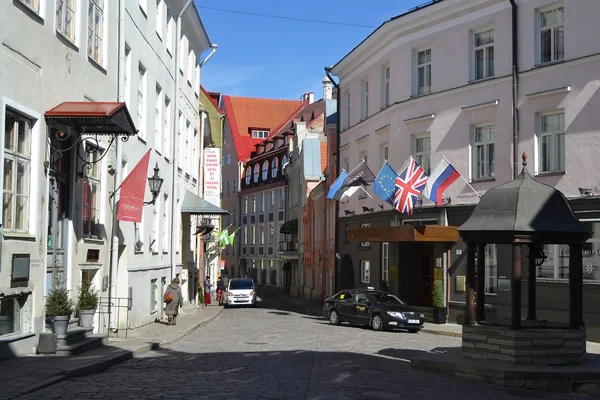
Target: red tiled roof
[(244, 113), (212, 97), (323, 156)]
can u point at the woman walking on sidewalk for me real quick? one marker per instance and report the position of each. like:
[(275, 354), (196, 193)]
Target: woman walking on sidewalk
[(174, 299), (207, 287)]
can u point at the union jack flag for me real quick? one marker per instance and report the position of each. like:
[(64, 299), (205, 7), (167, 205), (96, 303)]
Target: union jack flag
[(409, 185)]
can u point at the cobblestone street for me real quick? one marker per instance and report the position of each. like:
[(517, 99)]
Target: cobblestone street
[(283, 352)]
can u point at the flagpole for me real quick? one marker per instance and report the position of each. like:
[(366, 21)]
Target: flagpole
[(367, 193), (463, 178)]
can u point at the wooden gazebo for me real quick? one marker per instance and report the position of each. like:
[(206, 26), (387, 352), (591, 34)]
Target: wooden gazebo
[(523, 212)]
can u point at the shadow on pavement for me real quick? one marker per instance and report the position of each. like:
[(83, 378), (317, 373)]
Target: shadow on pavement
[(286, 303)]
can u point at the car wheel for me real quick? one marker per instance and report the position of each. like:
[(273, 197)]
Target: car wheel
[(377, 322), (413, 330), (334, 317)]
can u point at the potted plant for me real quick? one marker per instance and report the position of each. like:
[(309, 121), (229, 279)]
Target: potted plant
[(200, 297), (439, 311), (87, 302), (59, 308)]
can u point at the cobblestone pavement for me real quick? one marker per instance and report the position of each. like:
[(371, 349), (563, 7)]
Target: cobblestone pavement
[(273, 353)]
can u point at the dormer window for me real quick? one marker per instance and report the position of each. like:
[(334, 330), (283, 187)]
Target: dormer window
[(274, 168), (265, 170), (248, 176), (276, 144), (259, 134), (256, 171), (286, 140)]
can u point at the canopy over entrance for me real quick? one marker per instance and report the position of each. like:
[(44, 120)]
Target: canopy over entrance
[(94, 118), (195, 205), (407, 233)]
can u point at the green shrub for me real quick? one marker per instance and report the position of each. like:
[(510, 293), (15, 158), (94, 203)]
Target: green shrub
[(87, 298), (201, 294), (438, 294), (58, 303)]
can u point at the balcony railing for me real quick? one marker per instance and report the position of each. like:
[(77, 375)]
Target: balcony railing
[(288, 246)]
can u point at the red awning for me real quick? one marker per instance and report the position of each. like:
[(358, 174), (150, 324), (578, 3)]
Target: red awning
[(86, 117)]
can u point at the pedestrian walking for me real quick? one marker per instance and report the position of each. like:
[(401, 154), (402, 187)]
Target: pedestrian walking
[(207, 287), (220, 291), (174, 300)]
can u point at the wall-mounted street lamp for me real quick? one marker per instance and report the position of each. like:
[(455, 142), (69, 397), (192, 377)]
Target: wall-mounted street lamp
[(155, 182)]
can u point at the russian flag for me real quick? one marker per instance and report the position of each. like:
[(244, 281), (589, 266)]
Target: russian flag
[(442, 176)]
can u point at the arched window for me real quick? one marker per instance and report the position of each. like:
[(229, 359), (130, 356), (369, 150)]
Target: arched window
[(284, 160), (265, 170), (256, 173), (247, 175), (274, 167)]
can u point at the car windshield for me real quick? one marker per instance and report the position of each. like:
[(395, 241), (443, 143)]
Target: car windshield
[(241, 284), (386, 298)]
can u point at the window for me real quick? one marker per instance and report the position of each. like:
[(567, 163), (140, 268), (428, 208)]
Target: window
[(551, 143), (141, 105), (259, 134), (182, 53), (10, 316), (253, 204), (274, 167), (484, 54), (95, 30), (385, 87), (383, 153), (364, 105), (262, 202), (272, 203), (284, 161), (170, 35), (424, 72), (228, 159), (346, 164), (191, 66), (35, 6), (385, 262), (365, 272), (65, 18), (91, 193), (256, 173), (281, 198), (265, 170), (153, 296), (422, 152), (167, 125), (245, 205), (165, 224), (262, 234), (348, 110), (158, 120), (159, 18), (126, 75), (271, 233), (365, 244), (17, 164), (483, 152), (247, 178), (245, 235), (253, 234), (552, 35), (491, 269), (155, 227)]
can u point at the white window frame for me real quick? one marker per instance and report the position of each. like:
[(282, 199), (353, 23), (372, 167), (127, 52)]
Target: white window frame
[(365, 244), (253, 203), (245, 232), (473, 172), (63, 9), (37, 6), (165, 214), (167, 127), (385, 86), (384, 150), (364, 100), (348, 104), (141, 101), (154, 297), (271, 233), (491, 269), (253, 234), (422, 156), (96, 33), (385, 261), (158, 119), (182, 54), (538, 32), (262, 202), (281, 198), (426, 89), (144, 7), (485, 48), (169, 34), (127, 76), (19, 311), (160, 18), (191, 67), (365, 271), (556, 135), (154, 240), (259, 134)]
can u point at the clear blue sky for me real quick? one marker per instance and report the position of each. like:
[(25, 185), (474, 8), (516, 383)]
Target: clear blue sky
[(276, 58)]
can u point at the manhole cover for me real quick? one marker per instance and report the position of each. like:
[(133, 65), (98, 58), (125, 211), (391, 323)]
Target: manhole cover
[(256, 343)]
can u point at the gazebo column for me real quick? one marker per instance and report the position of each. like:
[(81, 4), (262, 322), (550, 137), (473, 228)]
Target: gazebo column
[(470, 301), (480, 282), (516, 286), (531, 282), (575, 286)]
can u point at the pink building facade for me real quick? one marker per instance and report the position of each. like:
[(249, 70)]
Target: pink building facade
[(443, 81)]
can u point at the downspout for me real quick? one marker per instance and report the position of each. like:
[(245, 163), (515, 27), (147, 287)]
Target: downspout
[(113, 272), (213, 49), (337, 169), (515, 88), (201, 187), (174, 137)]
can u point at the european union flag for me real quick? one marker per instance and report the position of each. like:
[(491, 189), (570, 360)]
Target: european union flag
[(385, 183)]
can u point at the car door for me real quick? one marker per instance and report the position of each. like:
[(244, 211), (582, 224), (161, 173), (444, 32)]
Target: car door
[(346, 306), (361, 308)]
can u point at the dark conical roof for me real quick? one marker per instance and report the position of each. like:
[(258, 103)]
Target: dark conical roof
[(523, 208)]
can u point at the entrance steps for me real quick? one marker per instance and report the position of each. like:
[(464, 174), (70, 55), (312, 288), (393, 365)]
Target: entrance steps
[(78, 340)]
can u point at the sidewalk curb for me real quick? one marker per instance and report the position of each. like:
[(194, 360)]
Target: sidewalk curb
[(96, 367), (441, 333)]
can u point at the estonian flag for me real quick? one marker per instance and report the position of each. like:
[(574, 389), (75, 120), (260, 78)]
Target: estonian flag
[(348, 183)]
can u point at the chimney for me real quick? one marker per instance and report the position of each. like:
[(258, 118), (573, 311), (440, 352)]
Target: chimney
[(327, 88), (309, 97)]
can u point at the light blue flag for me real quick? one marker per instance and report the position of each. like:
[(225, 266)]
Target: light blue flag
[(336, 186)]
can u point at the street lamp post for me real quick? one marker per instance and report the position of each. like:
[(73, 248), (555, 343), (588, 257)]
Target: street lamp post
[(155, 182)]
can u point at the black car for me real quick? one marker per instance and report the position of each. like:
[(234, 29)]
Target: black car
[(373, 308)]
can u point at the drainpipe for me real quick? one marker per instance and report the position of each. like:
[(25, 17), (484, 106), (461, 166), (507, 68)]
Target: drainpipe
[(201, 187), (113, 271), (174, 136), (515, 88), (337, 170), (213, 49)]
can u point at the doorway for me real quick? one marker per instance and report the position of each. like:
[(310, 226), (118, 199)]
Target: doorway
[(346, 274), (425, 263)]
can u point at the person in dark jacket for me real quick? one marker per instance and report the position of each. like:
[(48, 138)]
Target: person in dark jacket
[(172, 308), (220, 291)]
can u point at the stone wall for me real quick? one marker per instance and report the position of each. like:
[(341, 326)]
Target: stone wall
[(529, 346)]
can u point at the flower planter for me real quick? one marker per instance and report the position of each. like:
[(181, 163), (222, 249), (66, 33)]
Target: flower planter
[(60, 325), (86, 318), (439, 315)]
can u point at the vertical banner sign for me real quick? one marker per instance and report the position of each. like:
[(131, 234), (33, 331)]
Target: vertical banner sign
[(133, 188), (212, 175)]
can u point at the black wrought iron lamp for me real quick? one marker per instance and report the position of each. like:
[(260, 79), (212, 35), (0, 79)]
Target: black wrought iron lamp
[(537, 252), (155, 182)]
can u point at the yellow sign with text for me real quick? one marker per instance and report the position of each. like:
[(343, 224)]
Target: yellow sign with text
[(438, 274)]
